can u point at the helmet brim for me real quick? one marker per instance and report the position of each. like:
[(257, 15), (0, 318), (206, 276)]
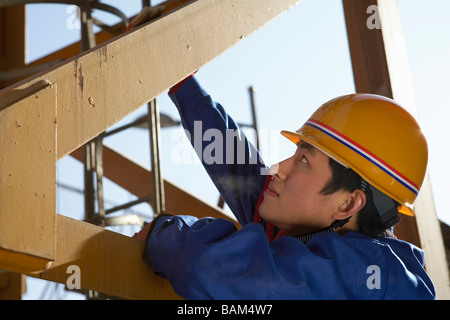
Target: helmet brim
[(296, 138)]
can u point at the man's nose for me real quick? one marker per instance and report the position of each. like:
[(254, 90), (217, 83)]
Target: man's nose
[(281, 169)]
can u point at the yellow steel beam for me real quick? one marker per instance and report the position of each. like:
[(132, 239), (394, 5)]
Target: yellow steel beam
[(402, 90), (28, 178), (100, 87), (367, 50), (103, 261)]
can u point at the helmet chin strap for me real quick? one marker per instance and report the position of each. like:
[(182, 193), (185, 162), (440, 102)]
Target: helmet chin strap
[(387, 208), (337, 224)]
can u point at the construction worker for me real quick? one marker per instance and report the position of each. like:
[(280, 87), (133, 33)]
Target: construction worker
[(320, 226)]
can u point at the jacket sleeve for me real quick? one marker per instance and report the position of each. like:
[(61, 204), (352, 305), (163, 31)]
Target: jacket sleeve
[(231, 161), (210, 259)]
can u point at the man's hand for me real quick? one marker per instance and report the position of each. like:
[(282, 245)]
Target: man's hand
[(147, 14), (143, 234)]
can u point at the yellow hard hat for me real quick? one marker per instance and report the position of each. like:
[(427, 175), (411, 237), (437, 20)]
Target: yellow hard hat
[(374, 136)]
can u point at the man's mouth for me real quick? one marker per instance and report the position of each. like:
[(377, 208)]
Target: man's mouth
[(270, 191)]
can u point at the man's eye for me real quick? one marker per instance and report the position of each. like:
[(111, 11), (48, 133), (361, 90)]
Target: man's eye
[(304, 160)]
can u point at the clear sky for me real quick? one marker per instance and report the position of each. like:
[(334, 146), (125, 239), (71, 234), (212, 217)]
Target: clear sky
[(298, 61)]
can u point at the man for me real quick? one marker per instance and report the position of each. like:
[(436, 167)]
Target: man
[(319, 227)]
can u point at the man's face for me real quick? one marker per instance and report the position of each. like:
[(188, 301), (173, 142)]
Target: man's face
[(294, 202)]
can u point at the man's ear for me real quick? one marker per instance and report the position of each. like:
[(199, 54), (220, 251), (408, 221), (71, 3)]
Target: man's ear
[(352, 203)]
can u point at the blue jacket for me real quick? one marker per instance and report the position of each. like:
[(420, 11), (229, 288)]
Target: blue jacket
[(210, 259)]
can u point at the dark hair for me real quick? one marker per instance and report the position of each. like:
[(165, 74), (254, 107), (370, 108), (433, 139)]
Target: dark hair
[(368, 222)]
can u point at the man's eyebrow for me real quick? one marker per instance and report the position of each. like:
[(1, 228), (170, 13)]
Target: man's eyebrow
[(306, 147)]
